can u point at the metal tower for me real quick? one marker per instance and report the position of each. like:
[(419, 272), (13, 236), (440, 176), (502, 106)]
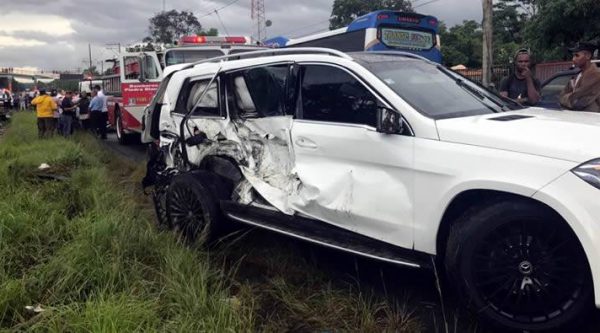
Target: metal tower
[(258, 15)]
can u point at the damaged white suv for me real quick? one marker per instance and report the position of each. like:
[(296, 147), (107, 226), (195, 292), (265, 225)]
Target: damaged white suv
[(390, 157)]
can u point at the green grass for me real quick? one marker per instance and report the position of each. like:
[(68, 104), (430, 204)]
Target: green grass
[(86, 250)]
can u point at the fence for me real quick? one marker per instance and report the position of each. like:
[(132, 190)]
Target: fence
[(498, 72), (542, 72)]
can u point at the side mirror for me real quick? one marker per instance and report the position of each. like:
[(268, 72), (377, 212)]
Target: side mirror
[(388, 121)]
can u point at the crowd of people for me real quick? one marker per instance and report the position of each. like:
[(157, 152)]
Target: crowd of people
[(62, 112)]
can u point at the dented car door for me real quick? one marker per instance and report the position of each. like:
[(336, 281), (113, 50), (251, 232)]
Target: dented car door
[(350, 175)]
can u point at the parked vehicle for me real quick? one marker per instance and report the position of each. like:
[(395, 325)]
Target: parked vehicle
[(392, 157), (552, 87), (131, 86)]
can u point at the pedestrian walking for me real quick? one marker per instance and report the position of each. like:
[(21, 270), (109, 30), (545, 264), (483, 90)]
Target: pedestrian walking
[(582, 92), (45, 107), (521, 85)]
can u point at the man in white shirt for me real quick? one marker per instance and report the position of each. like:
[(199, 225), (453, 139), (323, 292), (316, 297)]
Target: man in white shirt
[(102, 118)]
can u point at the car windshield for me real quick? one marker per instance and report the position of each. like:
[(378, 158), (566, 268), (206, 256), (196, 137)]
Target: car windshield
[(435, 91)]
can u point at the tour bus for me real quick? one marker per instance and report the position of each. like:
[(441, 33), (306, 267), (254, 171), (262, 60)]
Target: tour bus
[(382, 30), (131, 85), (194, 48)]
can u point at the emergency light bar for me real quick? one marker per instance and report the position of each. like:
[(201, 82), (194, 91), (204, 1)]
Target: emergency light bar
[(187, 40)]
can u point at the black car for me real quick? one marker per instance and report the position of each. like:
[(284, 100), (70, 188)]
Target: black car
[(552, 87)]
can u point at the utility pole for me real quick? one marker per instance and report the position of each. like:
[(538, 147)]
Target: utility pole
[(90, 53), (487, 42)]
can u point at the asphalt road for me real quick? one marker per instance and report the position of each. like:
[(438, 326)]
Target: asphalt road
[(134, 150)]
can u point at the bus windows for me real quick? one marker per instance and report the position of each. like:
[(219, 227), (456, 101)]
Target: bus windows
[(406, 39)]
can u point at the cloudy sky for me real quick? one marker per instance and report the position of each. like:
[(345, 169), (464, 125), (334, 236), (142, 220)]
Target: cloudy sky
[(54, 35)]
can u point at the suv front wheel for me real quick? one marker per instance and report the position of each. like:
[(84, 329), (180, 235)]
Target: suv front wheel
[(519, 265)]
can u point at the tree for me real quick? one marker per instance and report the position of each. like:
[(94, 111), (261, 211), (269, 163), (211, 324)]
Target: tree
[(558, 24), (345, 11), (210, 32), (509, 22), (462, 44), (166, 27)]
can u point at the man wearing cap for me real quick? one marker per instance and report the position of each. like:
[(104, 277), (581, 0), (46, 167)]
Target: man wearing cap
[(582, 92), (521, 85)]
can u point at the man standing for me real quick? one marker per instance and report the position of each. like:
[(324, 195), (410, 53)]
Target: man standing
[(101, 118), (68, 114), (45, 107), (96, 115), (521, 86), (582, 92)]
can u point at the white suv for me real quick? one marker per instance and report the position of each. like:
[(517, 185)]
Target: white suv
[(390, 157)]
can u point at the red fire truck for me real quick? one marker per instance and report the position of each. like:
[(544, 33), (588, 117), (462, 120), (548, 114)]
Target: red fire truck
[(134, 80), (136, 75)]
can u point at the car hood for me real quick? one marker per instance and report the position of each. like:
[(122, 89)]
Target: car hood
[(567, 135)]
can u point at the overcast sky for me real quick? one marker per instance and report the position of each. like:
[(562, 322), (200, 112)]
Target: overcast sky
[(55, 34)]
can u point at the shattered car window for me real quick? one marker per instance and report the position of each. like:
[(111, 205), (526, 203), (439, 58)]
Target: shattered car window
[(259, 91), (333, 95), (209, 104)]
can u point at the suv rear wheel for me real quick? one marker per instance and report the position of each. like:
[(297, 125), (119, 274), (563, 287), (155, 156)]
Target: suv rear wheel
[(520, 266), (192, 206)]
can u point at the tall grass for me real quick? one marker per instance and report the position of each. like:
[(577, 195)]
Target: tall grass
[(74, 240), (83, 247)]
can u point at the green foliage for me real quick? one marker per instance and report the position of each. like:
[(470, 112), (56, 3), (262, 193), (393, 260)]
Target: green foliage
[(558, 24), (210, 32), (345, 11), (462, 44), (166, 27)]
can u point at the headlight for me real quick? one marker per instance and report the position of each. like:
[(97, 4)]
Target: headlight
[(590, 172)]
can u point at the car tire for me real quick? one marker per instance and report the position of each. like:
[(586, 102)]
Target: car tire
[(193, 207), (519, 266), (159, 199), (122, 137)]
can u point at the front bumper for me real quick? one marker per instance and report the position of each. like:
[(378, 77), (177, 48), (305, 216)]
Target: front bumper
[(579, 204)]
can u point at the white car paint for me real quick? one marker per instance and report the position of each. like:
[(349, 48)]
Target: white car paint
[(412, 180)]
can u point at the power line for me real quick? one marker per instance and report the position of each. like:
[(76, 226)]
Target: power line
[(217, 9), (425, 3), (303, 27), (224, 28)]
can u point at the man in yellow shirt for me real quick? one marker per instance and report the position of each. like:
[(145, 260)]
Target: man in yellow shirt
[(45, 107)]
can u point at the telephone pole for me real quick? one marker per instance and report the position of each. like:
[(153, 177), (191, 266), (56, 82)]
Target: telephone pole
[(487, 42)]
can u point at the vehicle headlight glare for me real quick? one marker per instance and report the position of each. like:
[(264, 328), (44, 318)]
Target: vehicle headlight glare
[(590, 172)]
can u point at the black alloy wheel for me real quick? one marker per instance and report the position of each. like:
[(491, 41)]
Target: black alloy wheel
[(192, 207), (520, 267)]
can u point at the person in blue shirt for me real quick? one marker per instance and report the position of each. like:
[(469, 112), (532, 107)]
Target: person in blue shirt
[(98, 118)]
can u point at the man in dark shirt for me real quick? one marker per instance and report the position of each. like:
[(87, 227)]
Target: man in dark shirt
[(68, 113), (521, 86), (84, 112)]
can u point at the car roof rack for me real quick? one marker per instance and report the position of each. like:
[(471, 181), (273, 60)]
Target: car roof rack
[(274, 52)]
